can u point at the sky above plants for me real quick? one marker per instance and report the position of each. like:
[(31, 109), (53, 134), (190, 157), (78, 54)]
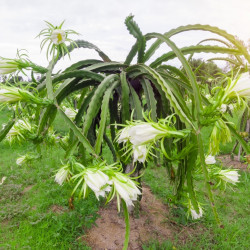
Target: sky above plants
[(102, 22)]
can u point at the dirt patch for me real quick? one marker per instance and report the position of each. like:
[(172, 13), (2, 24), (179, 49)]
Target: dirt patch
[(152, 224), (27, 189), (4, 223), (58, 209), (229, 162)]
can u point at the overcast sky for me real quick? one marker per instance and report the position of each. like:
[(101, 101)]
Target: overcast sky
[(102, 22)]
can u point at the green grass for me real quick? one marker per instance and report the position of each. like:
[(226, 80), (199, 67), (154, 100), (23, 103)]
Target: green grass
[(27, 199), (233, 208), (155, 245)]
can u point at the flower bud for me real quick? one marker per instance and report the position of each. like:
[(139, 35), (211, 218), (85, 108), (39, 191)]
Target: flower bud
[(9, 95), (7, 66)]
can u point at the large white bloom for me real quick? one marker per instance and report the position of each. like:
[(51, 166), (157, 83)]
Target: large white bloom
[(194, 215), (210, 160), (228, 175), (143, 133), (140, 153), (9, 95), (242, 86), (125, 188), (7, 66), (58, 36), (97, 181)]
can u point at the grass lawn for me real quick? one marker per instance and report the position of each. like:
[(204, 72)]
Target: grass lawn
[(34, 211), (233, 208)]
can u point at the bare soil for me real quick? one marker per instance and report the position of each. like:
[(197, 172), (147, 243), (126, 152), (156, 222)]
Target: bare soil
[(27, 189), (153, 223), (58, 209), (233, 163)]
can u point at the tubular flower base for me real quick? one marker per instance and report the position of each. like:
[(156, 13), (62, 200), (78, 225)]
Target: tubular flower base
[(7, 66), (10, 95), (13, 94)]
